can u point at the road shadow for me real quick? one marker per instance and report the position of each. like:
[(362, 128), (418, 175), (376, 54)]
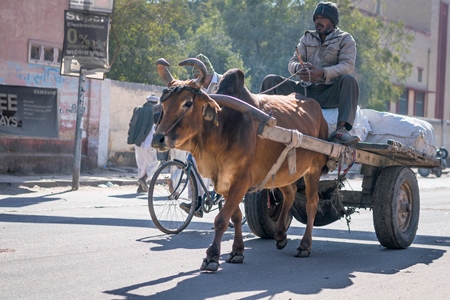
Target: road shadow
[(267, 272), (100, 221), (12, 189), (26, 201), (194, 236), (142, 196)]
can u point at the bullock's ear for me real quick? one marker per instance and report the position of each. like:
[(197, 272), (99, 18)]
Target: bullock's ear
[(210, 112)]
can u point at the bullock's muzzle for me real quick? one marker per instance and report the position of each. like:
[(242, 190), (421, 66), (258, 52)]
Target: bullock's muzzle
[(158, 142)]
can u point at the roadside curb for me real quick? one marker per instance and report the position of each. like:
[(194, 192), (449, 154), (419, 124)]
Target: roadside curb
[(68, 183), (101, 178)]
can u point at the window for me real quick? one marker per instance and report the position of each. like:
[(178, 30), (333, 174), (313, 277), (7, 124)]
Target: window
[(48, 54), (44, 53), (402, 105), (419, 104), (35, 52), (419, 74)]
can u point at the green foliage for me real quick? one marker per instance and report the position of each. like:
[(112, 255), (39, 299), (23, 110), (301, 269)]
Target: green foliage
[(256, 36)]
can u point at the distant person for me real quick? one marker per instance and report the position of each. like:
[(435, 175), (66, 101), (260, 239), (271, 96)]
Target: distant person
[(324, 63), (140, 133), (211, 83)]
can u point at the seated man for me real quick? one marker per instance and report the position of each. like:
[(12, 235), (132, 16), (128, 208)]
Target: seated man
[(329, 54)]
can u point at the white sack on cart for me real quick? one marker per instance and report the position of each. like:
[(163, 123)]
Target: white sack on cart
[(411, 132), (361, 126)]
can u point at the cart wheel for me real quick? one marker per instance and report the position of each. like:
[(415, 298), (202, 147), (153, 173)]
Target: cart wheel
[(260, 218), (396, 206), (424, 172)]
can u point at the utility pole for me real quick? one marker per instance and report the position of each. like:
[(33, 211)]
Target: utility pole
[(79, 131)]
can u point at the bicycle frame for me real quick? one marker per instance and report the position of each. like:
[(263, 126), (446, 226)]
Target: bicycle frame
[(209, 202)]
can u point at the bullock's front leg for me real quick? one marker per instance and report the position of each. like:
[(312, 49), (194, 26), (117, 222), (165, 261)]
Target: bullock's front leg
[(236, 256), (281, 226), (211, 262), (312, 201)]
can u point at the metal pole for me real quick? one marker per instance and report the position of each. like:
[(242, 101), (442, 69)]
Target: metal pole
[(444, 134), (78, 131)]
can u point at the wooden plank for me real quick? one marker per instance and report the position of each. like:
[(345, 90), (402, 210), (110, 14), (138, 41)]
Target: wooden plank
[(392, 153)]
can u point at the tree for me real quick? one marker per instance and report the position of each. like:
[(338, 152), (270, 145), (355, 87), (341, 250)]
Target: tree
[(147, 30), (257, 36), (265, 32), (273, 29), (172, 29)]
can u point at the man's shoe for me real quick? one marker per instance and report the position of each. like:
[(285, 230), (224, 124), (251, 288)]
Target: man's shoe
[(342, 136), (187, 207), (143, 184)]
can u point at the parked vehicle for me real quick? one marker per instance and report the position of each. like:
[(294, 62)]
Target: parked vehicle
[(442, 154)]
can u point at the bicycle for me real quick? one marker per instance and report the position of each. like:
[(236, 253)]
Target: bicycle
[(173, 183)]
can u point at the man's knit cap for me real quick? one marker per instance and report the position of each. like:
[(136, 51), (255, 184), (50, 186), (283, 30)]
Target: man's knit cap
[(328, 10), (206, 62)]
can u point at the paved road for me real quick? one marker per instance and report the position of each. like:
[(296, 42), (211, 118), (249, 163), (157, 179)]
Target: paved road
[(99, 243)]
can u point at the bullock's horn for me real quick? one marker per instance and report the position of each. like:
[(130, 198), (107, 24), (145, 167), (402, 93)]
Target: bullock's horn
[(199, 65), (243, 107), (163, 71)]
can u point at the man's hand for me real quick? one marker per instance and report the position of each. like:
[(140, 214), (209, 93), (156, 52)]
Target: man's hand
[(316, 73)]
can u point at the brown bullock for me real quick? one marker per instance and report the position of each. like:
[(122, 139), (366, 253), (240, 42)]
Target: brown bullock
[(227, 149)]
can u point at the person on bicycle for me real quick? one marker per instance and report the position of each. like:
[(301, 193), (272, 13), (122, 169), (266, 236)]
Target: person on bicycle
[(210, 86), (324, 59)]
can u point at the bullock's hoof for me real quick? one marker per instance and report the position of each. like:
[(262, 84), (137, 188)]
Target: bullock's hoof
[(281, 244), (303, 252), (235, 258), (209, 265)]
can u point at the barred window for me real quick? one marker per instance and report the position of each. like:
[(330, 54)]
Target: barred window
[(419, 103), (402, 105), (44, 53)]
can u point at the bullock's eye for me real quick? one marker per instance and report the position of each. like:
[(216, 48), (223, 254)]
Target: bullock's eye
[(188, 104)]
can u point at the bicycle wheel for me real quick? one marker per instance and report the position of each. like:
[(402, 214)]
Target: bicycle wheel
[(170, 186)]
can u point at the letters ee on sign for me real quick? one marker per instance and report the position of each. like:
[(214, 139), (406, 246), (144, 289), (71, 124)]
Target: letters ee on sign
[(29, 111), (85, 43), (103, 6)]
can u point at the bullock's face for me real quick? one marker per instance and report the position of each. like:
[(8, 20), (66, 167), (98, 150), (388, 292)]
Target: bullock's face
[(184, 113)]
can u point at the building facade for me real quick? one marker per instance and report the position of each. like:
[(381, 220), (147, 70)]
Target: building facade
[(426, 93), (31, 39)]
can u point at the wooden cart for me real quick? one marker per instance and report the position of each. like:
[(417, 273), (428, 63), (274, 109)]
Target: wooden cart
[(389, 188)]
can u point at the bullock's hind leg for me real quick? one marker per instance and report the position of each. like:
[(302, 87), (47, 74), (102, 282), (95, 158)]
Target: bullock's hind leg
[(281, 227), (230, 209), (312, 200)]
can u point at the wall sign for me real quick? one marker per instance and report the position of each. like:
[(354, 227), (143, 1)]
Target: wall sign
[(29, 111), (85, 43)]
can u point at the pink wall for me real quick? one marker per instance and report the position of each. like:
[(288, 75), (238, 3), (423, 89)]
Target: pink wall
[(43, 20)]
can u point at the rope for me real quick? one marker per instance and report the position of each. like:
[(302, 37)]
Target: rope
[(275, 86), (348, 167), (304, 84)]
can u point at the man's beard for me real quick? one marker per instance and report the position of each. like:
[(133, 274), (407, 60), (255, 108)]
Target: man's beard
[(329, 29)]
